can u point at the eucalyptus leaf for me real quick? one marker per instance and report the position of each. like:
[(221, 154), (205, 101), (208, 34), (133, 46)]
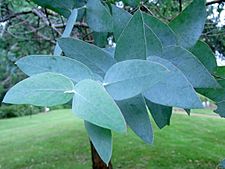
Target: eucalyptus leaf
[(161, 114), (92, 56), (110, 50), (132, 43), (189, 24), (120, 19), (174, 90), (98, 17), (136, 115), (137, 41), (45, 89), (101, 138), (161, 30), (68, 30), (129, 78), (203, 52), (153, 43), (62, 7), (191, 66), (92, 103), (71, 68)]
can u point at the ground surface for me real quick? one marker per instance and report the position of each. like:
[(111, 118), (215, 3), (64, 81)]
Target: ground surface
[(58, 140)]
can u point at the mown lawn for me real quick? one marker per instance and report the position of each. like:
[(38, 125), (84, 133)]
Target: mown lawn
[(58, 140)]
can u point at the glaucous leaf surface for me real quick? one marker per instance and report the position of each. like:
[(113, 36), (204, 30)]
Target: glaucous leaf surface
[(136, 115), (101, 138), (45, 89), (62, 7), (67, 31), (161, 114), (161, 30), (191, 67), (137, 40), (110, 50), (189, 24), (120, 19), (129, 78), (174, 90), (92, 103), (92, 56), (132, 43), (99, 18), (71, 68), (203, 52), (153, 43)]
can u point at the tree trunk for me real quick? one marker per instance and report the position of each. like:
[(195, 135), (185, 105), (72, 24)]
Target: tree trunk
[(97, 162)]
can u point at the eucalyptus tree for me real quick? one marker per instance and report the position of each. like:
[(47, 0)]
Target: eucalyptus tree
[(154, 67)]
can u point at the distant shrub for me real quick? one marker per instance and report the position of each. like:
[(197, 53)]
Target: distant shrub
[(18, 111)]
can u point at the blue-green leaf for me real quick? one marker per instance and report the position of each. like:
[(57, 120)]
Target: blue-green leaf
[(161, 114), (136, 115), (129, 78), (71, 68), (92, 56), (203, 52), (192, 68), (120, 19), (69, 28), (174, 90), (153, 44), (62, 7), (101, 138), (161, 30), (98, 17), (137, 41), (92, 103), (45, 89), (190, 23), (132, 43)]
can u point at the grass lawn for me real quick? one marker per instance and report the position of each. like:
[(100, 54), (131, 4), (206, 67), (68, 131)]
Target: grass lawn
[(58, 140)]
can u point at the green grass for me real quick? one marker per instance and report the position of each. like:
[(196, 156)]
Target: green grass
[(204, 111), (58, 140)]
